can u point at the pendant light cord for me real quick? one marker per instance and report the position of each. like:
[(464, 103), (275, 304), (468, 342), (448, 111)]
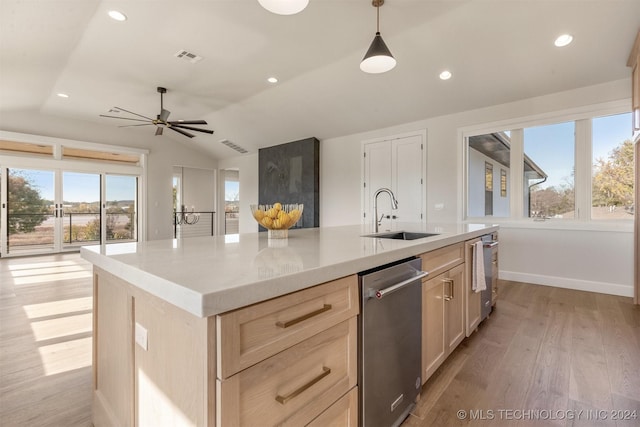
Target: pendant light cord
[(378, 17)]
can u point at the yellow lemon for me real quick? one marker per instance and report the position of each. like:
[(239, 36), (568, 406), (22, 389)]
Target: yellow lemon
[(272, 213), (276, 224), (285, 221), (266, 221), (277, 206), (258, 215), (295, 215)]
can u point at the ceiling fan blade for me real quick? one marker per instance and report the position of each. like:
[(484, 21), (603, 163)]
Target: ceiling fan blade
[(122, 118), (130, 126), (191, 128), (159, 130), (135, 114), (164, 115), (181, 131), (189, 122)]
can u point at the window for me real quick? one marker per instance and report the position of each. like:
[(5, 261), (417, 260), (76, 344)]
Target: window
[(486, 153), (488, 189), (612, 177), (549, 164), (578, 165)]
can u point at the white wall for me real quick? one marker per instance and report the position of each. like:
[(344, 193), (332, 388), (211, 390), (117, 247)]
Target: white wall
[(544, 259)]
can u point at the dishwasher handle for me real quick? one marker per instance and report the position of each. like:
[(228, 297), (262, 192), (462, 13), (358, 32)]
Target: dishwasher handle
[(491, 244), (381, 293)]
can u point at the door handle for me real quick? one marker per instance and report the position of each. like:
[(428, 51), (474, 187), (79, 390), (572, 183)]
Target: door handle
[(380, 293), (450, 296), (325, 307), (284, 399)]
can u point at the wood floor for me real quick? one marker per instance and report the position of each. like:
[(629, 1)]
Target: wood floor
[(544, 352), (544, 355), (45, 341)]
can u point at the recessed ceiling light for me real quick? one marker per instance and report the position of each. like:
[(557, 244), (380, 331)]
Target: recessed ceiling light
[(445, 75), (62, 95), (563, 40), (272, 80), (118, 16)]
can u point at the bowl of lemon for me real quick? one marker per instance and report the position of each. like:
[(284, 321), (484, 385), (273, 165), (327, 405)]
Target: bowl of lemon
[(277, 218)]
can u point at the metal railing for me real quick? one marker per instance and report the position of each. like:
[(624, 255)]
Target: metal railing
[(78, 227), (192, 224)]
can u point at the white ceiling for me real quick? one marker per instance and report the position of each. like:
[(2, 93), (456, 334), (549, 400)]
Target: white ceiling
[(498, 51)]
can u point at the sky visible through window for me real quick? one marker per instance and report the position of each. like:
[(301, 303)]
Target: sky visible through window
[(551, 147), (80, 187)]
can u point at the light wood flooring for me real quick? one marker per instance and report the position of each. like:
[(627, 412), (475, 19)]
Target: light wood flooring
[(544, 355), (543, 348), (45, 341)]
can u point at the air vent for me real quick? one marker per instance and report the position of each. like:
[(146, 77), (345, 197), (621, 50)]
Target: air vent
[(233, 146), (188, 56)]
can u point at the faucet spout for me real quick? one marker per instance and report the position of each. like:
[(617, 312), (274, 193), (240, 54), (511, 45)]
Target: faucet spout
[(394, 204)]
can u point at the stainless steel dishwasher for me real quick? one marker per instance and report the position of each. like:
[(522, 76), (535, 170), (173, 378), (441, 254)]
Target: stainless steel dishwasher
[(390, 342)]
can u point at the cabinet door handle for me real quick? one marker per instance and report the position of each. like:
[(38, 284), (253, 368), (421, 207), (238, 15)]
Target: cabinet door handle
[(304, 317), (450, 283), (284, 399)]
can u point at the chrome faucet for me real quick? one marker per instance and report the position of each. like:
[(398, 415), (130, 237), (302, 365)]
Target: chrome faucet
[(394, 204)]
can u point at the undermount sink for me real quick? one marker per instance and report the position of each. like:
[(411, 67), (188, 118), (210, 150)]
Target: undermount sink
[(402, 235)]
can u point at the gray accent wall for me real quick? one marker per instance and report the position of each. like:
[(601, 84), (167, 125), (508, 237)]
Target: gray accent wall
[(290, 173)]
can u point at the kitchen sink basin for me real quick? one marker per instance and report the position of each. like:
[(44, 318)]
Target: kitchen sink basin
[(402, 235)]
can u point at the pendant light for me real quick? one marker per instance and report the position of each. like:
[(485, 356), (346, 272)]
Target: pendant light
[(284, 7), (378, 58)]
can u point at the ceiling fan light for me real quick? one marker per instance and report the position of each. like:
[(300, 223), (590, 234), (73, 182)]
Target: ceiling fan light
[(284, 7), (378, 58)]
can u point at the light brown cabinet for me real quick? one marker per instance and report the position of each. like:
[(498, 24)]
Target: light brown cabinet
[(443, 314), (285, 361)]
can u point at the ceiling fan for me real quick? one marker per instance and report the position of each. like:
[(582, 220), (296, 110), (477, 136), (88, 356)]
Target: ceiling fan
[(161, 120)]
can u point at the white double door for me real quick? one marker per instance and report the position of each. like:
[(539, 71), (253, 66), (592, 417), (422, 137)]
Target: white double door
[(399, 165)]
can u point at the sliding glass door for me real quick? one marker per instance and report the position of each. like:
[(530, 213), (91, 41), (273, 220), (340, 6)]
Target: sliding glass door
[(31, 211), (47, 211), (80, 213), (121, 203)]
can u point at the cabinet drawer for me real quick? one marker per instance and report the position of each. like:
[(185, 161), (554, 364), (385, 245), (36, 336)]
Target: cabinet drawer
[(439, 260), (294, 386), (343, 413), (252, 334)]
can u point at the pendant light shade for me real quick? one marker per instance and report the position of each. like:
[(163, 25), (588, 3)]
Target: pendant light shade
[(378, 58), (284, 7)]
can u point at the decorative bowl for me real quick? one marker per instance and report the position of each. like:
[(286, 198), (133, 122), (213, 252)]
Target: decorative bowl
[(277, 218)]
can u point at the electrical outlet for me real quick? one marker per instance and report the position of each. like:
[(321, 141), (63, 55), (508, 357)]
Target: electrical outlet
[(141, 336)]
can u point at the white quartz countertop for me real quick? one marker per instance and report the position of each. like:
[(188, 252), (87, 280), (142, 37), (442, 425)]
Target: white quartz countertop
[(212, 275)]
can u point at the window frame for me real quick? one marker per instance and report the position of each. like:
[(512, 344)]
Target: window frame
[(582, 116)]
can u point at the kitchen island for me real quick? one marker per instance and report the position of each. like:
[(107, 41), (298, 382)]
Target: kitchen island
[(194, 331)]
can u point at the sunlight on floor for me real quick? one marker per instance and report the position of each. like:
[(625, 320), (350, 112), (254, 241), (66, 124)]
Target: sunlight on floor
[(65, 356), (52, 277), (33, 266), (53, 308), (61, 327)]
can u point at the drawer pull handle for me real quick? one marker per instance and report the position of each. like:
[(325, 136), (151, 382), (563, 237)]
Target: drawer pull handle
[(284, 399), (304, 317)]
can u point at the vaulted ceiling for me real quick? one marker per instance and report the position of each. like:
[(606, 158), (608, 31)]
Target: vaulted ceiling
[(498, 51)]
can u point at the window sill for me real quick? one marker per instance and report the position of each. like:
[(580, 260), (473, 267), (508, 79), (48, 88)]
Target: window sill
[(559, 224)]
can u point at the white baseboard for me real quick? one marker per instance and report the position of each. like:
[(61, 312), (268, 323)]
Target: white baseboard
[(563, 282)]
